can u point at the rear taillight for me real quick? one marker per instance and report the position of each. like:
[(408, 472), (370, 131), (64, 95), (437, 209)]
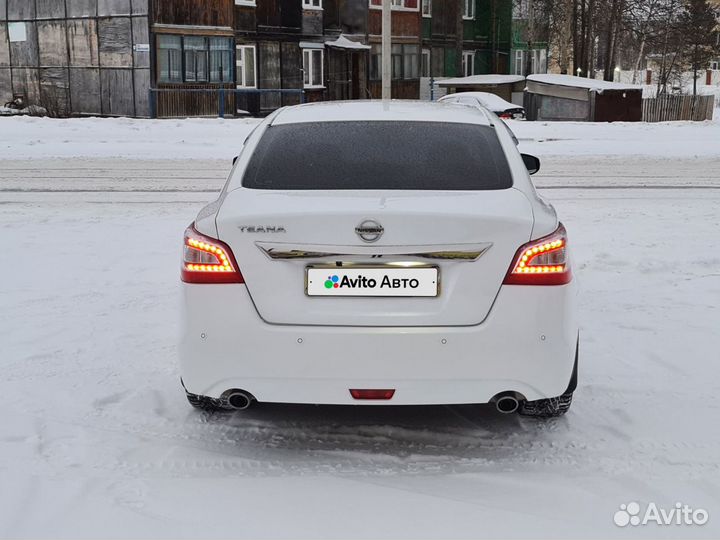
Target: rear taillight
[(542, 262), (206, 260), (506, 116)]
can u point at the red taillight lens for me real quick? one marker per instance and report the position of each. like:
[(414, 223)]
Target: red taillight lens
[(206, 260), (506, 116), (372, 394), (542, 262)]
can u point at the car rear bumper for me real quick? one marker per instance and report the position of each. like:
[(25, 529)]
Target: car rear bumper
[(527, 345)]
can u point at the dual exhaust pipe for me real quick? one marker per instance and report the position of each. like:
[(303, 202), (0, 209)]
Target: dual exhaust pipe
[(505, 402)]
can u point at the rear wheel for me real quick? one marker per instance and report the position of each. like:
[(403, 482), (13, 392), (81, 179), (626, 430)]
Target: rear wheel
[(547, 408)]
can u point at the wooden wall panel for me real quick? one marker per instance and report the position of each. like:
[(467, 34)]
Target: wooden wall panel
[(54, 86), (82, 38), (25, 81), (268, 13), (245, 19), (291, 75), (312, 22), (81, 8), (52, 42), (269, 72), (117, 92), (25, 53), (139, 7), (115, 43), (50, 9), (6, 92), (142, 92), (113, 7), (404, 23), (353, 16), (4, 47), (141, 35), (194, 12), (85, 90), (21, 10)]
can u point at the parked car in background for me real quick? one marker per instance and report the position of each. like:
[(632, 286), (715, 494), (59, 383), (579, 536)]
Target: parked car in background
[(504, 109)]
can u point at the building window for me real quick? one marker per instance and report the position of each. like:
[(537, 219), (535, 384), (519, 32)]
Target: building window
[(469, 9), (408, 5), (245, 3), (194, 59), (312, 4), (169, 59), (313, 68), (220, 60), (538, 61), (427, 8), (425, 65), (246, 66), (404, 60), (468, 63)]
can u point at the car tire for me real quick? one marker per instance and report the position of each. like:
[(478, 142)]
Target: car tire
[(547, 408)]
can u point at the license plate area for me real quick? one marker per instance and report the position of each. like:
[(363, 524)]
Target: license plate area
[(385, 281)]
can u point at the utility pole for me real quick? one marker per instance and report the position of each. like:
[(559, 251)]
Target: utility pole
[(386, 50)]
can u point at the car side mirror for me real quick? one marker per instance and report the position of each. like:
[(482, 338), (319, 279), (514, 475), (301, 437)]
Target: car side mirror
[(235, 160), (531, 162)]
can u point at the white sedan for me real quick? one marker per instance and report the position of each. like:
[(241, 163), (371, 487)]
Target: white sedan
[(379, 253), (504, 109)]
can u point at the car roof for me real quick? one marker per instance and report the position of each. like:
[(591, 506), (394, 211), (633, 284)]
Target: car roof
[(378, 110)]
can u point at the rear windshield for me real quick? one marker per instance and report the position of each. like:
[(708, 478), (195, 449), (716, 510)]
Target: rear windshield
[(378, 155)]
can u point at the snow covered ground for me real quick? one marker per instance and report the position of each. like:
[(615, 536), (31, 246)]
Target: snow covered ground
[(96, 439), (32, 138)]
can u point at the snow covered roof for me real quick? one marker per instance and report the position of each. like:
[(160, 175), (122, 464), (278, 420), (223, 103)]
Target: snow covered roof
[(486, 99), (478, 80), (581, 82), (344, 43)]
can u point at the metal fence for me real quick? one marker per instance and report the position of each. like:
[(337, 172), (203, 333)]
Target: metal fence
[(221, 102), (671, 107)]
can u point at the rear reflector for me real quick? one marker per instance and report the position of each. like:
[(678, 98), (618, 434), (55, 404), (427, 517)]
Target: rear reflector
[(542, 262), (372, 394), (207, 260)]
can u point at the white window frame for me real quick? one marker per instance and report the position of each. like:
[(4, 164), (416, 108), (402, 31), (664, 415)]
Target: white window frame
[(309, 68), (397, 5), (241, 56), (469, 10), (519, 66), (249, 3), (426, 8), (468, 67), (312, 4), (425, 53)]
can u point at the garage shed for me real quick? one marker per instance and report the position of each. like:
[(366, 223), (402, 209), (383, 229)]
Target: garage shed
[(564, 97)]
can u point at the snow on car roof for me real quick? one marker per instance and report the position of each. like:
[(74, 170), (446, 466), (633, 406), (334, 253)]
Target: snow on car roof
[(357, 111), (476, 80), (581, 82), (489, 100)]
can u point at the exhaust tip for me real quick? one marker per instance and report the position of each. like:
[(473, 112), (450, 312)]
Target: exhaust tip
[(238, 399), (507, 402), (507, 405)]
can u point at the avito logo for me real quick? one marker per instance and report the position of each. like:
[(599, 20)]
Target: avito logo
[(362, 282)]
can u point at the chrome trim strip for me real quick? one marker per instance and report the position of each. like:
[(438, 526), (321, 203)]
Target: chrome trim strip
[(276, 251)]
